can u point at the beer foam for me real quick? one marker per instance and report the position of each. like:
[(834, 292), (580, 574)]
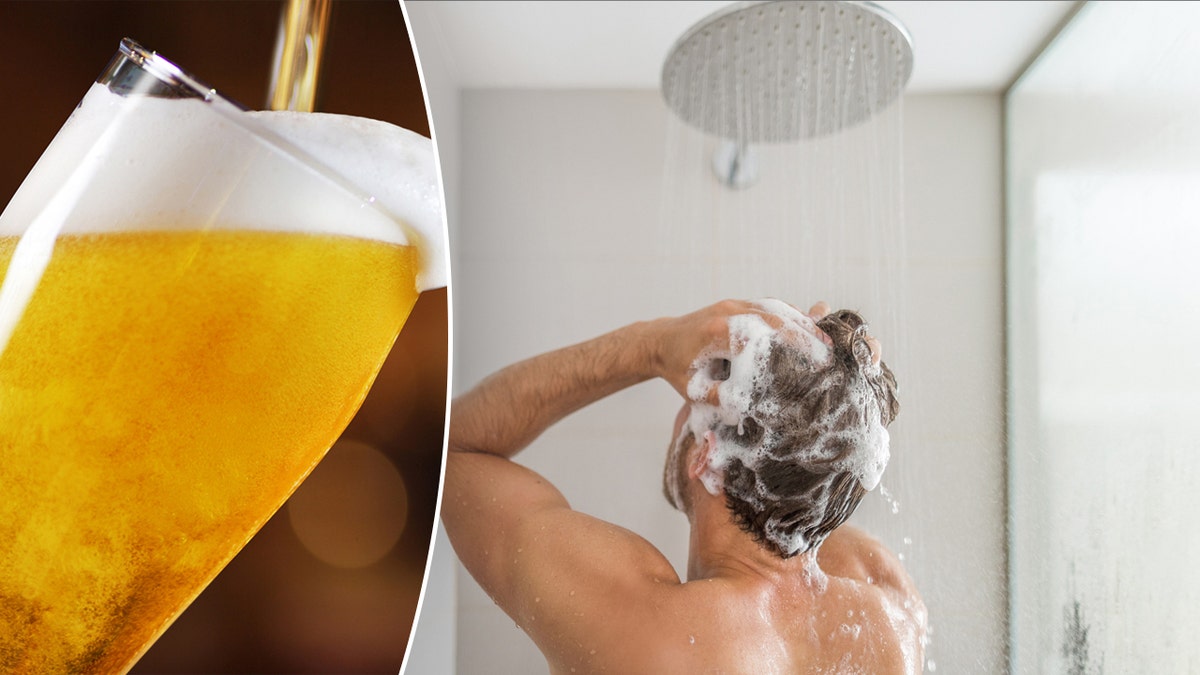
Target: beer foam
[(235, 170), (739, 399), (395, 166), (143, 163)]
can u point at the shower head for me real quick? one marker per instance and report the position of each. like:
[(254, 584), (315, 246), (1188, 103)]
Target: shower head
[(779, 70)]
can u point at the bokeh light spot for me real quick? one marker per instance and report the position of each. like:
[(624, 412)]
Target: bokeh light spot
[(352, 509)]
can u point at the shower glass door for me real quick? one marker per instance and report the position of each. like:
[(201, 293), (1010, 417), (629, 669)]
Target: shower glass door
[(1104, 317)]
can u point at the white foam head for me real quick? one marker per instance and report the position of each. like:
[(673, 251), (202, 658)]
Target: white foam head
[(130, 163), (186, 164), (395, 166)]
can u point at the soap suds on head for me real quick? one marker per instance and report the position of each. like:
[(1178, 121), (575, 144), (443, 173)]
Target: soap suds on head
[(797, 422)]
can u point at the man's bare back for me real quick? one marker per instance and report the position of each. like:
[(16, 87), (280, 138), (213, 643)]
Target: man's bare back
[(798, 621), (595, 597)]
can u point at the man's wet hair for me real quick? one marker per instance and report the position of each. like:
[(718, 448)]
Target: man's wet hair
[(801, 490)]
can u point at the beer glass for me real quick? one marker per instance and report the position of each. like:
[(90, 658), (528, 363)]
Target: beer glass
[(192, 310)]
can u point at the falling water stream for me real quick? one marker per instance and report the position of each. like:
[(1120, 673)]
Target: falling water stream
[(812, 90)]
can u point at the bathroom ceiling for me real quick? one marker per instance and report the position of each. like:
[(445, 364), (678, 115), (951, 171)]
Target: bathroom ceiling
[(973, 45)]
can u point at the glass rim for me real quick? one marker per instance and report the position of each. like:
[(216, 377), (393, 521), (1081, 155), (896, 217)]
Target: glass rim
[(182, 84), (168, 73)]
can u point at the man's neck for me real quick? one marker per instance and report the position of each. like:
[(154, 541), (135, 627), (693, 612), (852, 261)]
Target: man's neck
[(718, 548)]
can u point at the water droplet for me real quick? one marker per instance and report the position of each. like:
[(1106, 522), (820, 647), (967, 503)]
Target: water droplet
[(930, 665)]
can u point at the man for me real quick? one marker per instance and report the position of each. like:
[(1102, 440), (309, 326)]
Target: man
[(782, 432)]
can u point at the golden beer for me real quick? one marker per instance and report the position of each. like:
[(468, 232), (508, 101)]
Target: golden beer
[(161, 396), (194, 302)]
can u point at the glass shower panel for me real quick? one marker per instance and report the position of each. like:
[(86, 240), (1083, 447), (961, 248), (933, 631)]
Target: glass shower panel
[(1104, 320)]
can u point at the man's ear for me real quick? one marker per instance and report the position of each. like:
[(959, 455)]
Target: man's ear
[(700, 464)]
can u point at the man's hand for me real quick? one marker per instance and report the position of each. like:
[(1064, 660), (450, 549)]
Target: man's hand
[(681, 342)]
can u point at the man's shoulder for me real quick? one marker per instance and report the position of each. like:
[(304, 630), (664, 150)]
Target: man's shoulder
[(865, 626), (871, 582), (854, 554)]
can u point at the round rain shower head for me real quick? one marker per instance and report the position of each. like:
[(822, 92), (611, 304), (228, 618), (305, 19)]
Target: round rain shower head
[(780, 70)]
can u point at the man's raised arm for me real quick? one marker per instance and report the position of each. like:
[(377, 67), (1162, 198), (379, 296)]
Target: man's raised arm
[(508, 410), (512, 529), (512, 407)]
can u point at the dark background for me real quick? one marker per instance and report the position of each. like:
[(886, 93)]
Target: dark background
[(277, 608)]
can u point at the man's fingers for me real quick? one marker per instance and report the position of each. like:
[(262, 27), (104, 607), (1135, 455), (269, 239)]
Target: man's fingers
[(709, 394), (819, 310), (876, 350)]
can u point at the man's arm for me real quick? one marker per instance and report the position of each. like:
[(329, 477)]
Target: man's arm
[(493, 508), (511, 408), (515, 532)]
